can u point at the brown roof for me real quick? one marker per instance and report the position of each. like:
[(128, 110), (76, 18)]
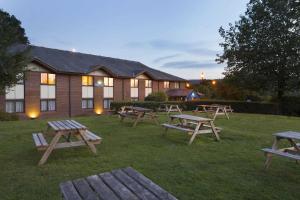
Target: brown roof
[(178, 92)]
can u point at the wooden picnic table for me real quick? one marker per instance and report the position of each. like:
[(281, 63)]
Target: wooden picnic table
[(292, 152), (193, 125), (169, 108), (214, 109), (121, 184), (137, 113), (64, 129)]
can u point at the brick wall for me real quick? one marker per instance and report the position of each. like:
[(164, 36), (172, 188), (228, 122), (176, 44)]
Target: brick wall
[(154, 86), (98, 95), (182, 85), (32, 94), (141, 90), (126, 89), (118, 89)]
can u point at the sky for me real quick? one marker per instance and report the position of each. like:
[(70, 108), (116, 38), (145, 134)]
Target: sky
[(176, 36)]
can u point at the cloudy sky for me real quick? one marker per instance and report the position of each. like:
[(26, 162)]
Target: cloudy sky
[(176, 36)]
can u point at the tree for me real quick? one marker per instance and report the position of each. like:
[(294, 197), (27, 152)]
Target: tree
[(262, 49), (12, 60)]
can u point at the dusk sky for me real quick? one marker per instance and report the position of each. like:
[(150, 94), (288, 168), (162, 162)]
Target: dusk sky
[(176, 36)]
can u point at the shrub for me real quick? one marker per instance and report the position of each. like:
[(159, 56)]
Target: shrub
[(8, 116), (157, 96)]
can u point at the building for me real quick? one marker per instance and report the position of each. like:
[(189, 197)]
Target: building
[(183, 94), (61, 83)]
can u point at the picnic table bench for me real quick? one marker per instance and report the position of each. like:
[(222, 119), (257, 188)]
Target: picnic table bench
[(169, 108), (121, 184), (292, 152), (137, 113), (64, 129), (214, 109), (192, 125)]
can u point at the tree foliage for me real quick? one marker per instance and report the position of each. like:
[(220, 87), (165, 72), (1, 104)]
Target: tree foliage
[(12, 61), (262, 49)]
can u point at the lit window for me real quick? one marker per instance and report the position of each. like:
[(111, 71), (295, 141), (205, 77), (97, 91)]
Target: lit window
[(176, 85), (134, 90), (166, 84), (87, 80), (108, 90), (47, 79), (134, 83)]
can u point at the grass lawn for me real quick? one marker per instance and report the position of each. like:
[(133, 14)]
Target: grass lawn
[(229, 169)]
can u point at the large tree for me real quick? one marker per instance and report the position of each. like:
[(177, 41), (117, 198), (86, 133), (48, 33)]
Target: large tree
[(262, 49), (12, 60)]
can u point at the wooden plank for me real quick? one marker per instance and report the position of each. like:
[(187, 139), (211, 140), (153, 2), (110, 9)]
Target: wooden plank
[(134, 186), (68, 191), (191, 117), (53, 126), (36, 140), (122, 191), (177, 127), (281, 153), (147, 183), (69, 144), (101, 188), (80, 125), (288, 134), (69, 123), (42, 139), (92, 136), (58, 125), (85, 190), (66, 125)]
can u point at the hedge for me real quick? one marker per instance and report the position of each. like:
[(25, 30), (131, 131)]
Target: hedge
[(237, 106)]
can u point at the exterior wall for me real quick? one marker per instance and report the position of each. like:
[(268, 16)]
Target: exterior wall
[(118, 89), (141, 90), (154, 86), (126, 87), (161, 86), (172, 85), (98, 96), (32, 94), (182, 85)]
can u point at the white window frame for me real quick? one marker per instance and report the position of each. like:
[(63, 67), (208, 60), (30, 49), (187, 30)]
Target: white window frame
[(148, 87), (47, 93), (134, 88)]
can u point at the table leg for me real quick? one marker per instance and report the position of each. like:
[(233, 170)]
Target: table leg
[(89, 144), (269, 155), (214, 130), (226, 113), (153, 117), (137, 119), (195, 133), (216, 113), (50, 148)]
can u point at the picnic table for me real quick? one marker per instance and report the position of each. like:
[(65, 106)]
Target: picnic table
[(65, 129), (121, 184), (193, 125), (137, 113), (169, 108), (292, 152), (214, 109)]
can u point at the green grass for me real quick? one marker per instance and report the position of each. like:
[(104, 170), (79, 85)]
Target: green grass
[(229, 169)]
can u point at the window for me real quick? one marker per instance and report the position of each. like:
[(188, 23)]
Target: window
[(47, 79), (108, 87), (166, 84), (176, 85), (87, 80), (87, 92), (48, 92), (106, 103), (134, 88), (148, 87), (108, 92), (14, 98)]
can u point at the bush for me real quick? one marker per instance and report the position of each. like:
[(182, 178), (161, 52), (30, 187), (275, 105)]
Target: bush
[(157, 96), (8, 116), (290, 105)]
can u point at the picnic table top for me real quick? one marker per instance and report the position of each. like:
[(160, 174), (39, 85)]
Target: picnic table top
[(65, 125), (141, 109), (190, 117), (288, 135), (121, 184), (212, 105)]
